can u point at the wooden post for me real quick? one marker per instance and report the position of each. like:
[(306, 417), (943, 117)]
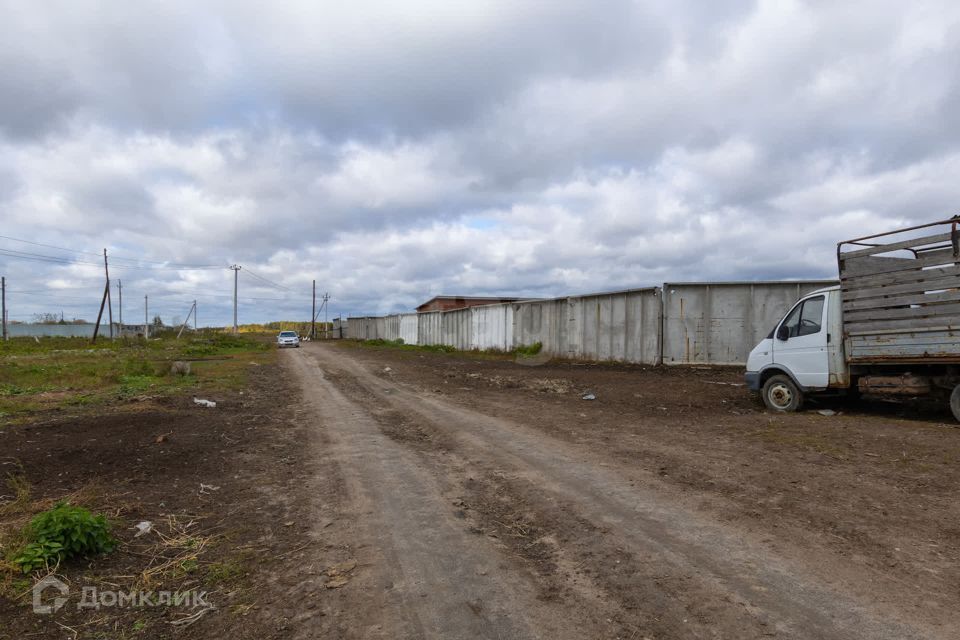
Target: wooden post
[(183, 326), (103, 302), (106, 271), (3, 305)]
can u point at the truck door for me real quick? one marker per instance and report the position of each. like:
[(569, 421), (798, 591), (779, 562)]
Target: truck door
[(800, 343)]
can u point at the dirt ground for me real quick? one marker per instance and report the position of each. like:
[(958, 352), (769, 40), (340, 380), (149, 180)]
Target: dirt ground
[(393, 493), (490, 500), (225, 488)]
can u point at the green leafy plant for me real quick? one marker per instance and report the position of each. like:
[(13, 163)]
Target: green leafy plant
[(529, 350), (63, 532)]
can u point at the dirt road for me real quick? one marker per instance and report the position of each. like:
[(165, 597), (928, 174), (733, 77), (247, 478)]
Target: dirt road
[(503, 506)]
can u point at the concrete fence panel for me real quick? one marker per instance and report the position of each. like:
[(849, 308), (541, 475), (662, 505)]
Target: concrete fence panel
[(455, 329), (622, 326), (339, 328), (491, 327), (428, 328), (541, 321), (391, 328), (719, 323), (353, 328), (408, 328), (363, 328)]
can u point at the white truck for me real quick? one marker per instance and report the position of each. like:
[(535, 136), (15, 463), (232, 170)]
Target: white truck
[(890, 328)]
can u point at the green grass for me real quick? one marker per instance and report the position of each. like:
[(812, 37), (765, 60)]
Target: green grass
[(227, 572), (529, 350), (53, 373), (400, 344), (523, 351)]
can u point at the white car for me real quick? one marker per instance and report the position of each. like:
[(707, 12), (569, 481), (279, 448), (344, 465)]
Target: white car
[(288, 339)]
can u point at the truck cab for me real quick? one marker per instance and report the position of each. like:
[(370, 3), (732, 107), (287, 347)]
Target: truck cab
[(890, 329), (803, 353)]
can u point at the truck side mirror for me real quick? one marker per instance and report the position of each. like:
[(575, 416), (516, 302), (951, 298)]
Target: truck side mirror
[(783, 332)]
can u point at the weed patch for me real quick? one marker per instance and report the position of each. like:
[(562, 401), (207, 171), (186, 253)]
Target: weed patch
[(526, 351), (227, 572), (58, 373), (61, 533), (20, 494)]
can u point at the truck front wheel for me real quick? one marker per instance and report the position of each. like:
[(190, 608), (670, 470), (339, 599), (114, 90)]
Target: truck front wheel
[(782, 395), (955, 402)]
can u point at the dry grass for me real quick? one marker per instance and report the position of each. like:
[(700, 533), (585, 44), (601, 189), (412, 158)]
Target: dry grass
[(18, 499), (174, 551)]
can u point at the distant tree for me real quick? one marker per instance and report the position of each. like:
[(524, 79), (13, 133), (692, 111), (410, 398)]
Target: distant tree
[(157, 322), (46, 318)]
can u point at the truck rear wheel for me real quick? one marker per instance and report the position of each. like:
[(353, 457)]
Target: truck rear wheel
[(782, 395), (955, 402)]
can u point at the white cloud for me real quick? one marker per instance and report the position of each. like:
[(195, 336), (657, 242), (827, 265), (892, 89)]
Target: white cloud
[(395, 151)]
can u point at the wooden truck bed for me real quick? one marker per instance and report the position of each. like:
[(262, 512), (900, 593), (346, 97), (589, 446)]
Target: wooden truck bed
[(901, 295)]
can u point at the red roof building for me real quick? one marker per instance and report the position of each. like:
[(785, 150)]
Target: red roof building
[(449, 303)]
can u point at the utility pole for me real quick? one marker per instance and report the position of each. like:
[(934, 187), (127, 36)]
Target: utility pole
[(120, 294), (3, 305), (323, 307), (146, 319), (326, 331), (106, 271), (236, 272), (103, 302), (313, 314), (193, 310), (196, 323)]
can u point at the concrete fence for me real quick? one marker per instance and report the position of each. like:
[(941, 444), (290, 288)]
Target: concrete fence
[(720, 322), (428, 328), (680, 323), (56, 330), (339, 328), (491, 327), (622, 326)]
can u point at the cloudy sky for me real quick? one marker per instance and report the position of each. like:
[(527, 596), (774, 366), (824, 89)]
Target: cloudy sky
[(397, 150)]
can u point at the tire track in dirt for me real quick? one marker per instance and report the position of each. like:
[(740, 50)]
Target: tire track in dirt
[(421, 572), (695, 577)]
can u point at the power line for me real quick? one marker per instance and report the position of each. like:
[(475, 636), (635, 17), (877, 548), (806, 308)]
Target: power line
[(49, 246), (68, 260), (92, 253), (270, 282), (185, 294), (39, 257)]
